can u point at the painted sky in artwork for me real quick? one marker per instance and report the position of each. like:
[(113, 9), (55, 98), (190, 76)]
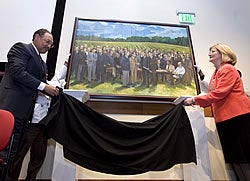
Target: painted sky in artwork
[(112, 29)]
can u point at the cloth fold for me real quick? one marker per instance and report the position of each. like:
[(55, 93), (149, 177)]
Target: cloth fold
[(100, 143)]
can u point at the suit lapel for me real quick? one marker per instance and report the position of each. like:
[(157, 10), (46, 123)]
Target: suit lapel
[(43, 68), (39, 61)]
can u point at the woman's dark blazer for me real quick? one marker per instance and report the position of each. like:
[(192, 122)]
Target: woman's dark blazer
[(24, 72)]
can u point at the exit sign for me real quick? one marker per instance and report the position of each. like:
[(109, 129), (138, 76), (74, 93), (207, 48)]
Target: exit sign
[(186, 17)]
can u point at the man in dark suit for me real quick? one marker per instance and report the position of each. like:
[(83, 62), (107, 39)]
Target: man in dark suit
[(25, 76)]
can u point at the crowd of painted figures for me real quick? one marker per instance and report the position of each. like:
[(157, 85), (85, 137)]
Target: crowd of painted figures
[(131, 67)]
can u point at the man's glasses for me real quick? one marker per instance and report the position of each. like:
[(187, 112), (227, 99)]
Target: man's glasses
[(49, 42)]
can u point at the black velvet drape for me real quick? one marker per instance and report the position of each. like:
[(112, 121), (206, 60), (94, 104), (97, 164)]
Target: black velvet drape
[(102, 144)]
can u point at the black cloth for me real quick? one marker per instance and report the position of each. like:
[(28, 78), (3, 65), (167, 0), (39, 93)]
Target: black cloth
[(234, 136), (103, 144)]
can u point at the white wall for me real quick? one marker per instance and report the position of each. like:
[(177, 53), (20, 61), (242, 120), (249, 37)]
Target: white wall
[(216, 21), (20, 19)]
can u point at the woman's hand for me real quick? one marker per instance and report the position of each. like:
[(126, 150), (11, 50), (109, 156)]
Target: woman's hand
[(189, 101)]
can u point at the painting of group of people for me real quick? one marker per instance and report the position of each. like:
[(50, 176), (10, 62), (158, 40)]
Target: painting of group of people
[(135, 66), (131, 67)]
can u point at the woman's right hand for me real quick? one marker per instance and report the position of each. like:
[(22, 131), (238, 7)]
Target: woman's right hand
[(189, 101)]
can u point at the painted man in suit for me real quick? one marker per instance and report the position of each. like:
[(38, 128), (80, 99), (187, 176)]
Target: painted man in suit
[(25, 76)]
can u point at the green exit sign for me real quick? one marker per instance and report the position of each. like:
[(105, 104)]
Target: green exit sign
[(186, 17)]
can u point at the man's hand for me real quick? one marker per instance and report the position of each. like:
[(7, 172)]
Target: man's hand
[(51, 90)]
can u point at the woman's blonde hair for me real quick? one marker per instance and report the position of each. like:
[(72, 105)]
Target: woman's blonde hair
[(228, 55)]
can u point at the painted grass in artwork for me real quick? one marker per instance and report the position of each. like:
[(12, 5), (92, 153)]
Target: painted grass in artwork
[(161, 89)]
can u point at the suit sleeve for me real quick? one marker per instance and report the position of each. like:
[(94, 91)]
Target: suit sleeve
[(22, 66)]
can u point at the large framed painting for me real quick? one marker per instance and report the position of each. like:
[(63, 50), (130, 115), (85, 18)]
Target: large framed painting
[(131, 61)]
